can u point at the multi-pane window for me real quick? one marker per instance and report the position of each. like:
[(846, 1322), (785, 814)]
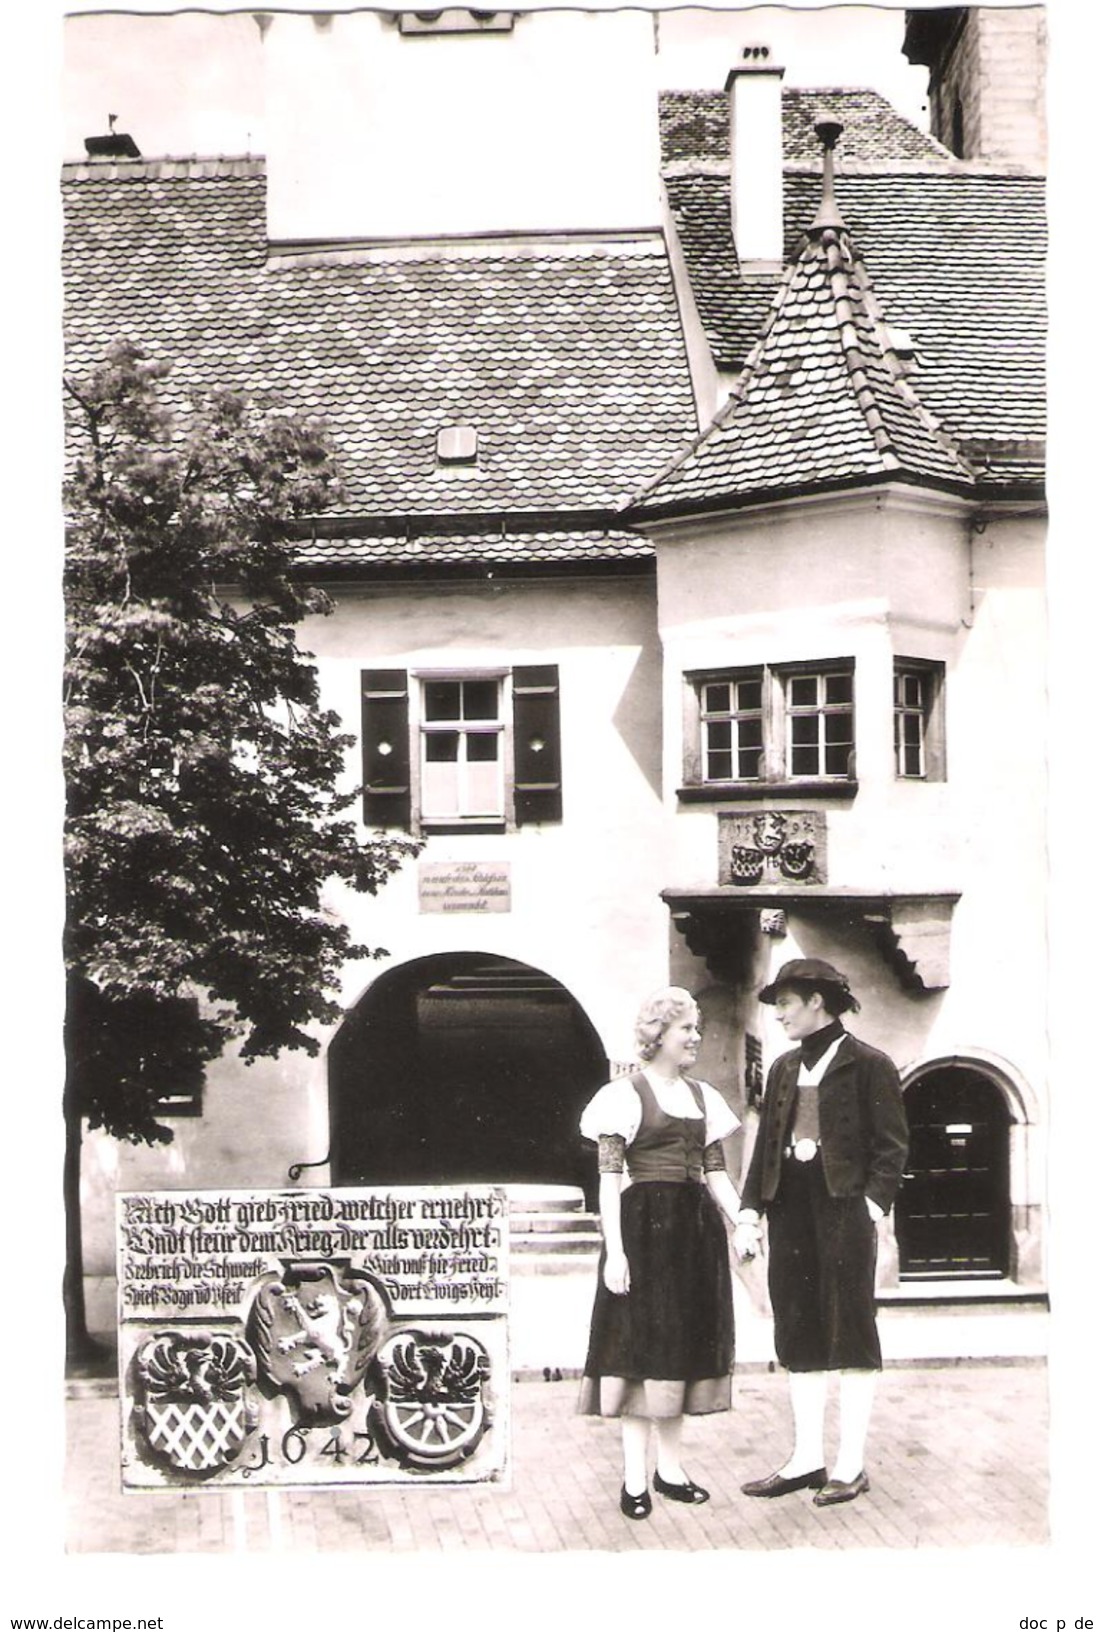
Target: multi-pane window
[(732, 729), (462, 738), (820, 724), (772, 725), (917, 722), (461, 750)]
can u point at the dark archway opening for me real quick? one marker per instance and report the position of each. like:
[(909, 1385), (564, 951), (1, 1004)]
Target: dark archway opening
[(464, 1068), (953, 1212)]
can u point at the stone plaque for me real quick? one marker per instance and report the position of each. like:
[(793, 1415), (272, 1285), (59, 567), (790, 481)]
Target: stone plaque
[(464, 886), (779, 849), (314, 1337)]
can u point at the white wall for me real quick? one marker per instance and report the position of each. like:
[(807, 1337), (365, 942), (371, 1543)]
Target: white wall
[(585, 901), (375, 134), (866, 580)]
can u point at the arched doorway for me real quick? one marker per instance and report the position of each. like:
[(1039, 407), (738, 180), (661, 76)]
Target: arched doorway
[(463, 1068), (953, 1211)]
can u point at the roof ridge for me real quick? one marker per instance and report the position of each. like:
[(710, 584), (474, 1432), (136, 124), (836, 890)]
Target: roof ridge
[(736, 396), (89, 169), (891, 355)]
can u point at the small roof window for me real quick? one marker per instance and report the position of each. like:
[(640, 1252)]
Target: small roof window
[(457, 445)]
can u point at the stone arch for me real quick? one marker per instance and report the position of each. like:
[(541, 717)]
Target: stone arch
[(463, 1067)]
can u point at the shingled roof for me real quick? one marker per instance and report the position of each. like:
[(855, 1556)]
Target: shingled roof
[(566, 355), (957, 259), (438, 547), (693, 125), (823, 402)]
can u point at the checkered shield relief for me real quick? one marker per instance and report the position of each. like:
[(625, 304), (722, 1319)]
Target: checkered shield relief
[(196, 1405), (196, 1438)]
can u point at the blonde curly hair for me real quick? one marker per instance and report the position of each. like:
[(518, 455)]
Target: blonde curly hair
[(657, 1012)]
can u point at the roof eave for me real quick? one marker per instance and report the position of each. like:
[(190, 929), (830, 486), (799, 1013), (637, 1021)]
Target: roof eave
[(641, 515)]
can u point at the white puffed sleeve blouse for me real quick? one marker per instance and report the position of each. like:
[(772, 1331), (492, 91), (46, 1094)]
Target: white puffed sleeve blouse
[(615, 1109)]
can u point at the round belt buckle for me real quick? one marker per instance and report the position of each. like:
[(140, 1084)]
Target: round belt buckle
[(805, 1150)]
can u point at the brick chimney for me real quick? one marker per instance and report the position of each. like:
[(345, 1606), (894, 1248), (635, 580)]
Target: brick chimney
[(755, 146)]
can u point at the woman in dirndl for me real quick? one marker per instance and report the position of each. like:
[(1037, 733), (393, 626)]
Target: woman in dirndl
[(661, 1335)]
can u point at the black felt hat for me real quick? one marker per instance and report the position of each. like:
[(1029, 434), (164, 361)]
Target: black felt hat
[(801, 972)]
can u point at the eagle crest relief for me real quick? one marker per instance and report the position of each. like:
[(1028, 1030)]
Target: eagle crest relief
[(432, 1410), (195, 1405), (314, 1333)]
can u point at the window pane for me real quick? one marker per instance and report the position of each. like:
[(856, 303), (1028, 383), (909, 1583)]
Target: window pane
[(442, 747), (748, 764), (837, 727), (912, 763), (440, 790), (912, 691), (718, 735), (803, 691), (805, 728), (718, 765), (806, 762), (717, 697), (749, 694), (910, 725), (481, 699), (483, 795), (750, 732), (836, 760), (442, 700), (837, 688), (482, 747)]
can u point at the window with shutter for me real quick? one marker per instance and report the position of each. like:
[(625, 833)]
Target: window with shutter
[(448, 751), (385, 739), (538, 789)]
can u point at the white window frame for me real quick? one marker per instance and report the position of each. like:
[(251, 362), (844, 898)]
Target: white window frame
[(823, 709), (468, 814), (774, 755), (928, 711)]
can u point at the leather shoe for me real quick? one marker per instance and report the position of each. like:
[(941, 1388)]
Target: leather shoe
[(635, 1507), (841, 1490), (688, 1491), (777, 1484)]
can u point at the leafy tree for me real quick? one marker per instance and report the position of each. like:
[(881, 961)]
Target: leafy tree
[(204, 811)]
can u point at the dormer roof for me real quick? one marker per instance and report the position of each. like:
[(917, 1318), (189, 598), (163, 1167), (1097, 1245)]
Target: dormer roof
[(824, 400)]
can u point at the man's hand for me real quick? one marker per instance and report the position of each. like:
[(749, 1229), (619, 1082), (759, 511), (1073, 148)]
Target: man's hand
[(616, 1274)]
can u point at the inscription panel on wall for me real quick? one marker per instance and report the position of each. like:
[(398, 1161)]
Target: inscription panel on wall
[(464, 886), (313, 1337), (775, 848)]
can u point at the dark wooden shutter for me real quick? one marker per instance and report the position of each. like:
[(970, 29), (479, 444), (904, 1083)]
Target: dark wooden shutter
[(538, 793), (385, 738)]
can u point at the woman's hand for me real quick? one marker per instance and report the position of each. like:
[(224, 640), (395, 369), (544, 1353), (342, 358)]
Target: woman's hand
[(745, 1241), (616, 1273)]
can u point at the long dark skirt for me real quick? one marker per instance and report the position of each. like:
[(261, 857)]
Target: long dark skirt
[(820, 1273), (666, 1346)]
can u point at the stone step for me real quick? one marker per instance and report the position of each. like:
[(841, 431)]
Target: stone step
[(588, 1241), (551, 1223), (544, 1198)]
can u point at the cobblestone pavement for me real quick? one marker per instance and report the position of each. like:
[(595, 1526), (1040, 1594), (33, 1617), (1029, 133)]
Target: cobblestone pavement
[(957, 1459)]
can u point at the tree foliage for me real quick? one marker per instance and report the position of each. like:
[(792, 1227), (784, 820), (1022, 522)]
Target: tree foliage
[(205, 799)]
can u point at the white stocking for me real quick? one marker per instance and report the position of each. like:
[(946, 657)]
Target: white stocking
[(808, 1393), (669, 1450), (856, 1393), (634, 1447)]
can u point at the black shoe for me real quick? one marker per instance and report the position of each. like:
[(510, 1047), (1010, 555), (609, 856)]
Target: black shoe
[(777, 1484), (841, 1490), (688, 1491), (635, 1507)]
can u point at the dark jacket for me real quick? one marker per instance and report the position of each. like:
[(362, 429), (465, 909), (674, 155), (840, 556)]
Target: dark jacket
[(863, 1127)]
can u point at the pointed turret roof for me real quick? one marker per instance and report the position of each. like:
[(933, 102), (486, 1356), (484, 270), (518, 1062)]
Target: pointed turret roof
[(824, 399)]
